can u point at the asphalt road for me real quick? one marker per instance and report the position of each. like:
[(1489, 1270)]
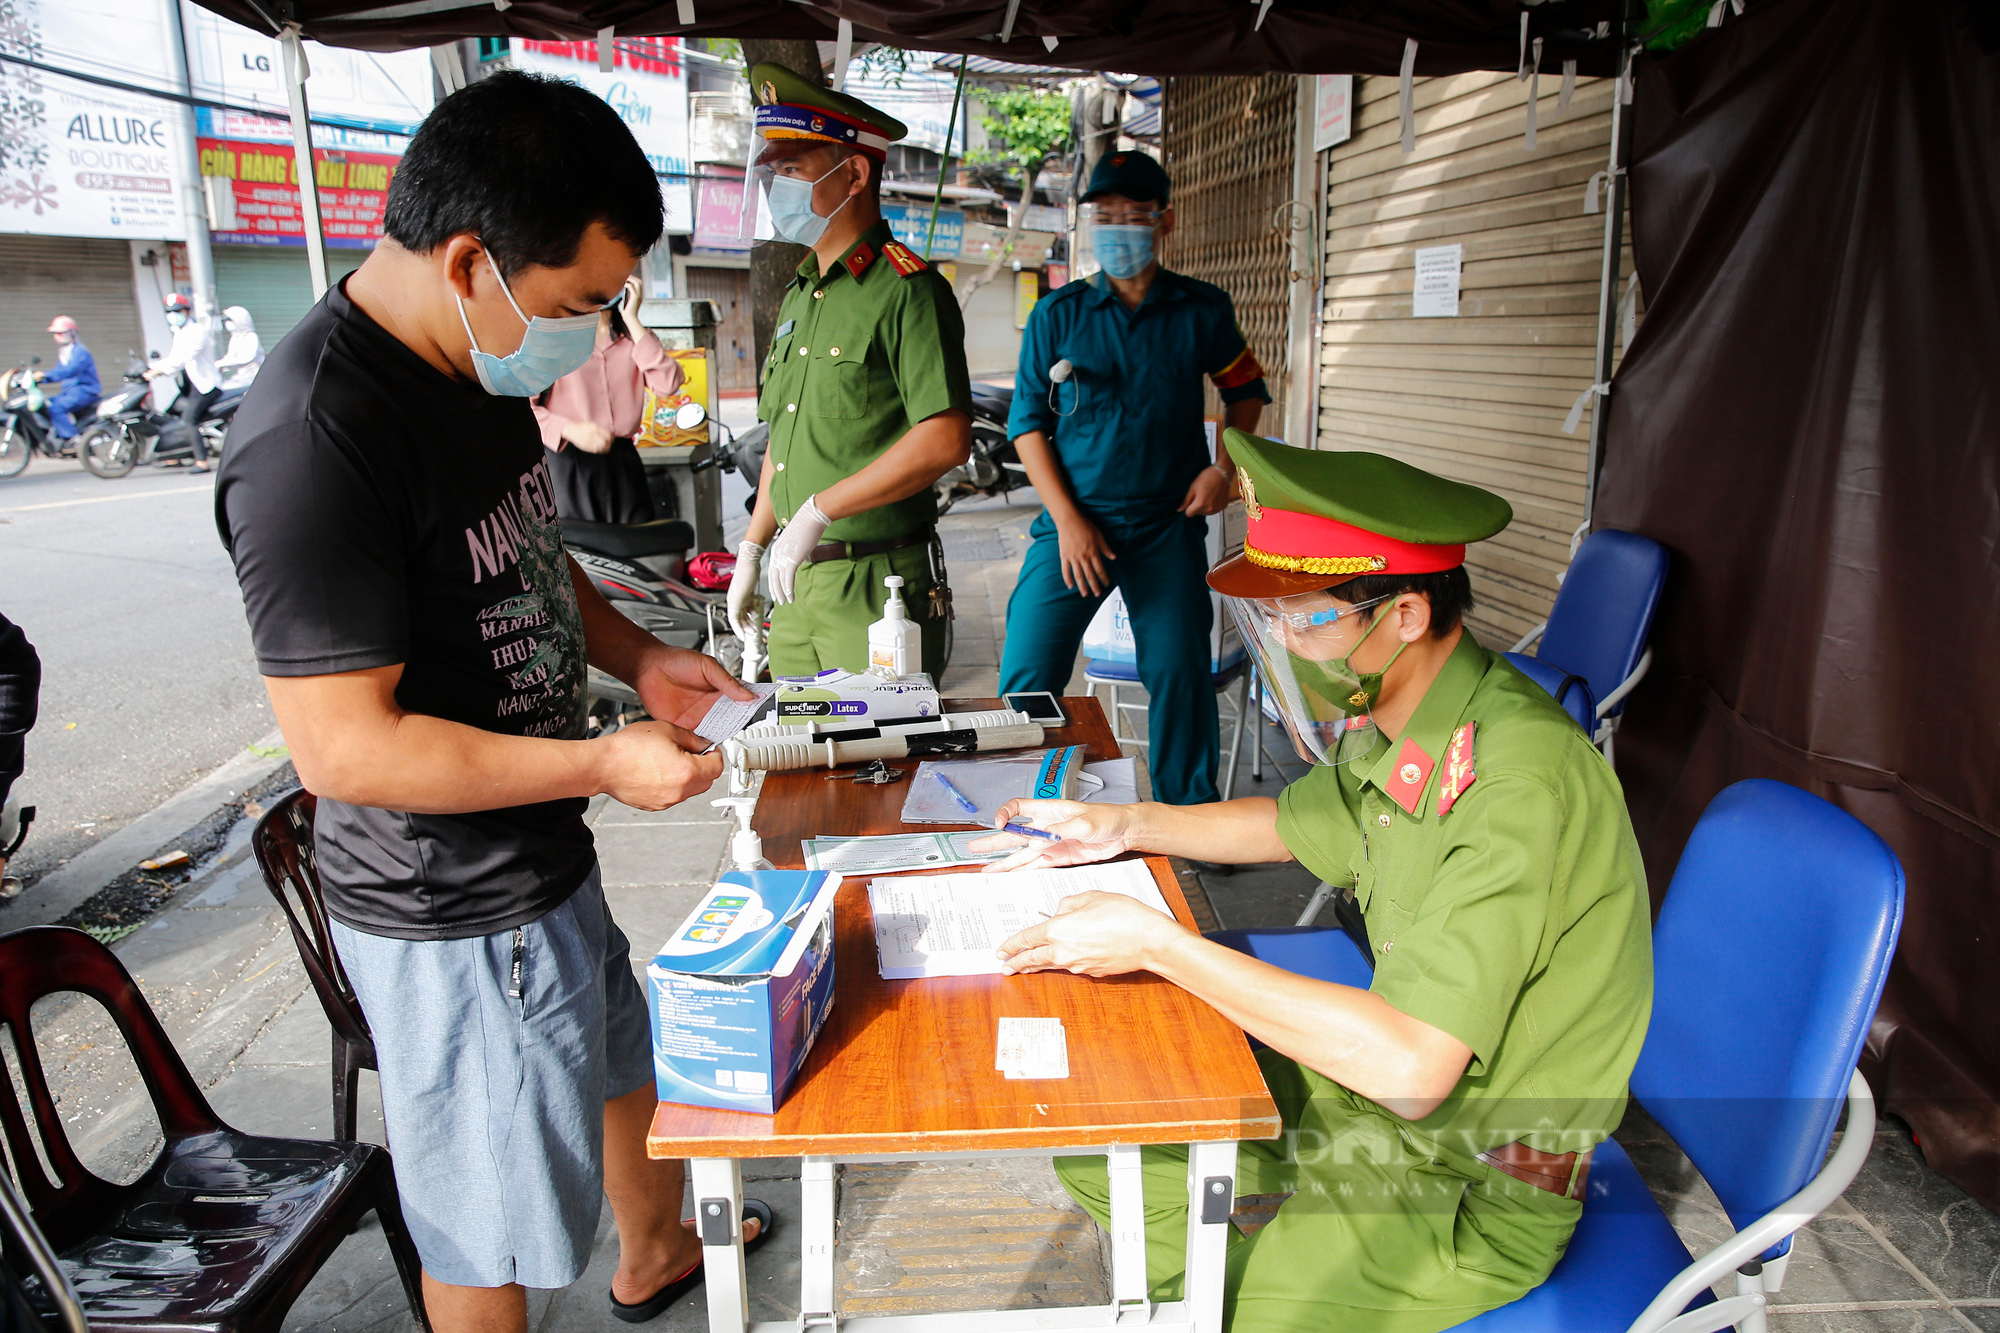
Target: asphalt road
[(148, 681)]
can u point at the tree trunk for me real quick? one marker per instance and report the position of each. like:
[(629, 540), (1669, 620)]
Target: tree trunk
[(775, 264), (1016, 219)]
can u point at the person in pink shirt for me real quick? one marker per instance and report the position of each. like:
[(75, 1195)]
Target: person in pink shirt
[(589, 417)]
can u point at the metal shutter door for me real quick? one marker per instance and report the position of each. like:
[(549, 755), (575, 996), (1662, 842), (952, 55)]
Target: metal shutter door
[(728, 290), (1228, 142), (273, 283), (88, 280), (1481, 397)]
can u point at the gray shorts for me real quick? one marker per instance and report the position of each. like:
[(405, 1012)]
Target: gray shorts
[(495, 1104)]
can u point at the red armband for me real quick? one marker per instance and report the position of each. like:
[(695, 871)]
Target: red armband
[(1238, 372)]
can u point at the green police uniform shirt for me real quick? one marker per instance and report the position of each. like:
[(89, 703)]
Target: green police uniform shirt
[(1517, 920), (862, 353)]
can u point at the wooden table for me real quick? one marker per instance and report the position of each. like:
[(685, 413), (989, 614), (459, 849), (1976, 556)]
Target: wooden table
[(904, 1069)]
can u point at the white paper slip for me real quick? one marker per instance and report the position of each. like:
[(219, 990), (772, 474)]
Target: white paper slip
[(899, 851), (951, 925), (726, 716), (1031, 1048)]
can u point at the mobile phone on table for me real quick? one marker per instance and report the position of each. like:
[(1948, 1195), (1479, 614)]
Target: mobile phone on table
[(1039, 705)]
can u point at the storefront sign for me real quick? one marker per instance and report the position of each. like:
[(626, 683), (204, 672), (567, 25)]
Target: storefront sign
[(376, 93), (77, 159), (1333, 110), (983, 240), (718, 212), (253, 193), (911, 224), (1027, 291), (647, 87)]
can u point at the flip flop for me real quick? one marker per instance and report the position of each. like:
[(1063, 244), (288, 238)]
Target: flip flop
[(654, 1306)]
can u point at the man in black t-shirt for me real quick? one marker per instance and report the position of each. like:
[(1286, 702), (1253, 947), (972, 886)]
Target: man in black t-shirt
[(424, 639)]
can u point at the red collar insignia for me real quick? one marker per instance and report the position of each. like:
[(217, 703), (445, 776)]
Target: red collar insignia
[(1405, 785), (860, 258), (1458, 774)]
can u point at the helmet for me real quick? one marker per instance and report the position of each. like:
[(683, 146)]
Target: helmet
[(237, 318), (175, 301), (62, 324)]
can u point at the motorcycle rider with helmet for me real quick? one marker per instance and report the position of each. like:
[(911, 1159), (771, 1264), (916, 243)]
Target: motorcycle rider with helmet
[(191, 360), (75, 378)]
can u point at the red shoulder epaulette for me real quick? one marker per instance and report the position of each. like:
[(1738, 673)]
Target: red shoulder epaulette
[(1458, 771), (902, 258)]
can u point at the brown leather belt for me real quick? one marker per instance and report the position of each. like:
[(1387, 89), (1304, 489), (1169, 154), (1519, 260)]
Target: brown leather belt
[(1558, 1173), (857, 550)]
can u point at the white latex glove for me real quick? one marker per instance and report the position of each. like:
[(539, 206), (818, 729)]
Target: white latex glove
[(792, 547), (743, 587)]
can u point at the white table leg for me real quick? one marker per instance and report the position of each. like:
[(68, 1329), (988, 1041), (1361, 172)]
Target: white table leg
[(1211, 1196), (816, 1203), (1128, 1233), (718, 1220)]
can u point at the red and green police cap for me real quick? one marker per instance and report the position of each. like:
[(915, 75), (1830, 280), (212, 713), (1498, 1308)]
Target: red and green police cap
[(795, 115), (1130, 173), (1321, 517)]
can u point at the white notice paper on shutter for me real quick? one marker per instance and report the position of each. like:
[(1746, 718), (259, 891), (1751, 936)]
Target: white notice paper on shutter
[(1436, 292)]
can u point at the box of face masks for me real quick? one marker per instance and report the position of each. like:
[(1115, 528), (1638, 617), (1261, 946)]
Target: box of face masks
[(854, 696), (740, 990)]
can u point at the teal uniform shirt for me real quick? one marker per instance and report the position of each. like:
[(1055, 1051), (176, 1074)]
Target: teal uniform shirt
[(1127, 424)]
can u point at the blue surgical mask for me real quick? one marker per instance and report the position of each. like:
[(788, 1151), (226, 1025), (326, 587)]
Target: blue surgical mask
[(792, 213), (175, 319), (1124, 252), (551, 349)]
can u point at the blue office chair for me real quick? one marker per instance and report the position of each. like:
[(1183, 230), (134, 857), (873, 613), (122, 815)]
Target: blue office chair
[(1768, 960), (1598, 626)]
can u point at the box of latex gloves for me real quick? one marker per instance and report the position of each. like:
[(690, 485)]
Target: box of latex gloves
[(854, 696), (741, 989)]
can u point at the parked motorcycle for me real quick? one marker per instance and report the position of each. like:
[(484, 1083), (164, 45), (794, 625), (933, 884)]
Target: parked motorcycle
[(129, 431), (638, 568), (24, 422), (993, 468)]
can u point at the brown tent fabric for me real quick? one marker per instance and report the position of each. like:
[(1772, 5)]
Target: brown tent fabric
[(1810, 420), (1160, 37)]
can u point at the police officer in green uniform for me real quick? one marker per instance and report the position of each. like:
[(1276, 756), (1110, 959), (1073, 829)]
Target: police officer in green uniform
[(865, 390), (1440, 1099)]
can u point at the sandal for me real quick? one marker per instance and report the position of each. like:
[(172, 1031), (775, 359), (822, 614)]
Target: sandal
[(654, 1306)]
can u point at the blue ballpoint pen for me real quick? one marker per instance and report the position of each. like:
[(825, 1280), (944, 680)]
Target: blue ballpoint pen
[(1026, 831), (964, 801)]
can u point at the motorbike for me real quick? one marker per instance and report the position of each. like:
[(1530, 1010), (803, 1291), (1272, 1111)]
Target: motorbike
[(24, 422), (641, 569), (993, 468), (129, 431)]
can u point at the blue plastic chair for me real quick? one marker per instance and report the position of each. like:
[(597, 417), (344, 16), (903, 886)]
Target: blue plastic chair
[(1572, 692), (1598, 626), (1768, 961)]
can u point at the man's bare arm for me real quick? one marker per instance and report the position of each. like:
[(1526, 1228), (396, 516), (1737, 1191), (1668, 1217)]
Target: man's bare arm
[(351, 741)]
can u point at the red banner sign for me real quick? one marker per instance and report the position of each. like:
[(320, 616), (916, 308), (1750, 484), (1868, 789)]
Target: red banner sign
[(254, 196)]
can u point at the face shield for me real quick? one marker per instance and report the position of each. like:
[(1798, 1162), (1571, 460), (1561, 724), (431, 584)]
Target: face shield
[(1303, 646)]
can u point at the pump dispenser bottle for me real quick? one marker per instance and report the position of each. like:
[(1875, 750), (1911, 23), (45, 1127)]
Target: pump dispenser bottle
[(895, 642)]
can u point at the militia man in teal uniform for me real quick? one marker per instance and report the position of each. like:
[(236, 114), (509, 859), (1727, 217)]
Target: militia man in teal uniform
[(865, 390), (1441, 1098), (1117, 451)]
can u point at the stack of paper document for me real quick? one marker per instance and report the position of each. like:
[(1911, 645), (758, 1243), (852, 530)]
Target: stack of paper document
[(900, 851), (952, 925)]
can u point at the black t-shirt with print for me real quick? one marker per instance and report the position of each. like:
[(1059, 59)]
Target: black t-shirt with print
[(380, 512)]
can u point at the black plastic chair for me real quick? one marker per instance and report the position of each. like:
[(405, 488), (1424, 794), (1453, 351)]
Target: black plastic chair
[(283, 845), (224, 1229)]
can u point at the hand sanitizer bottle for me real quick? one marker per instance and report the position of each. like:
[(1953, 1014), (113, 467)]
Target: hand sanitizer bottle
[(746, 849), (895, 642)]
